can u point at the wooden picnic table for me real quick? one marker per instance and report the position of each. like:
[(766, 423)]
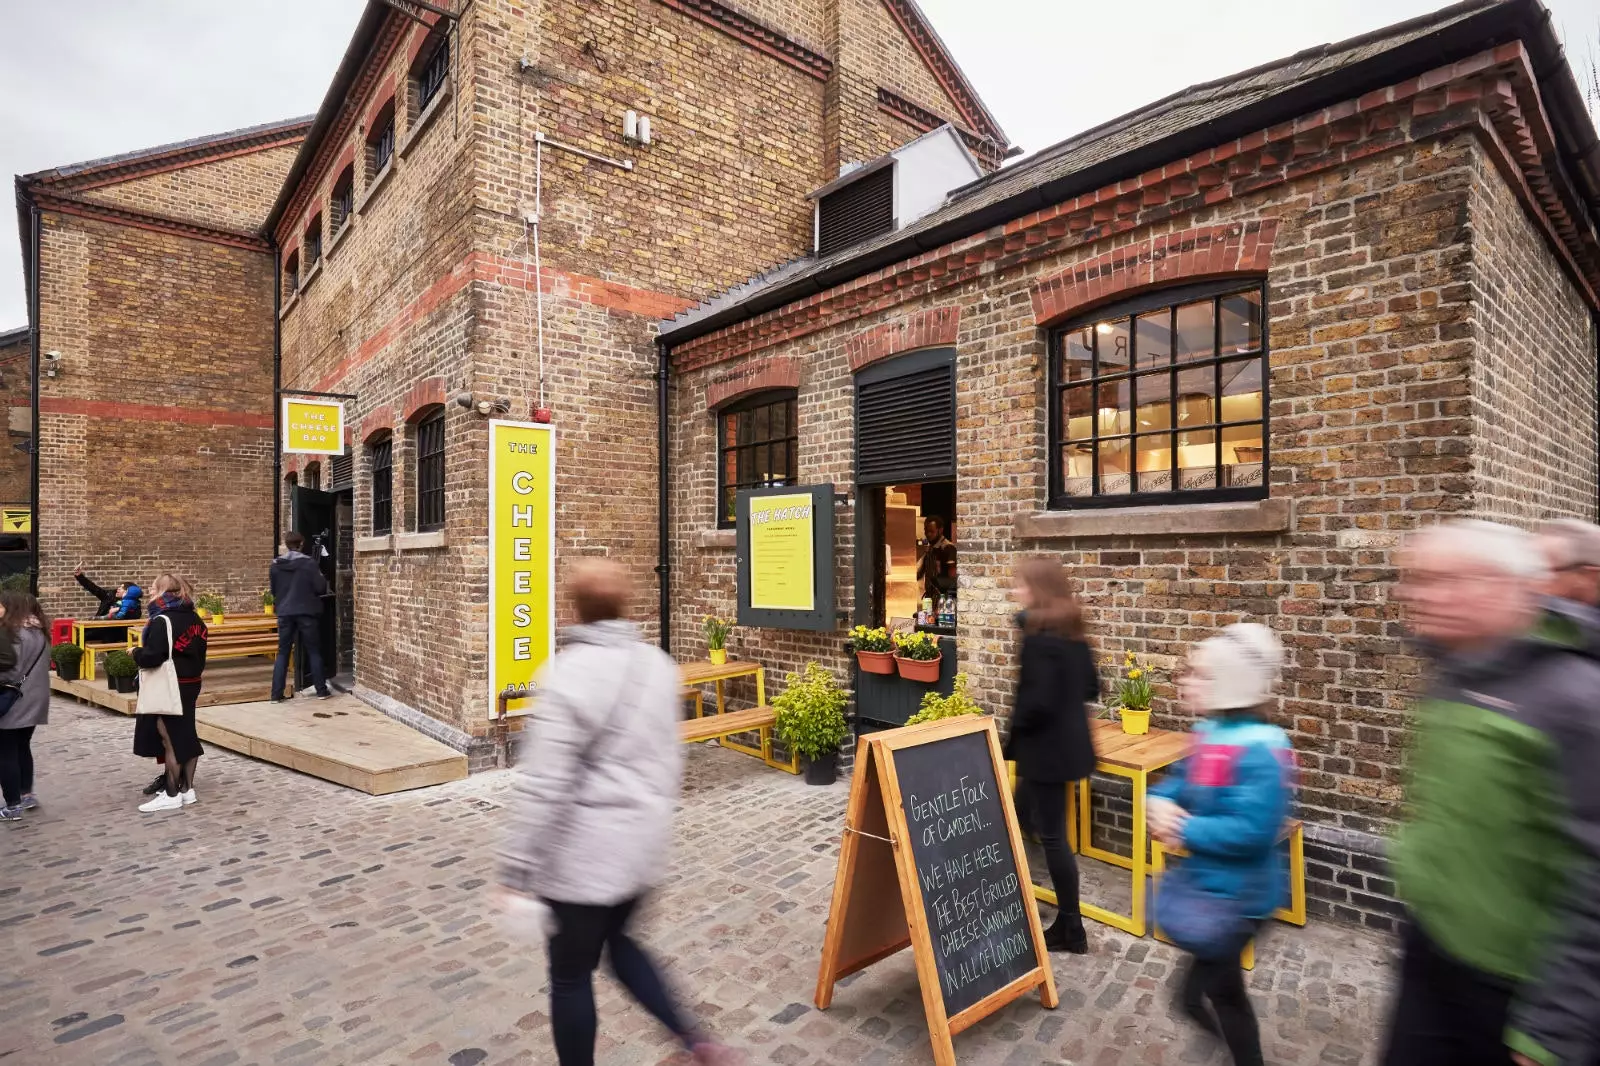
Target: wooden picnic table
[(697, 674), (1134, 758)]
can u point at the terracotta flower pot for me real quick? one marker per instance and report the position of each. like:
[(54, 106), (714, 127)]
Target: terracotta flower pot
[(719, 656), (925, 670), (1135, 723), (876, 662)]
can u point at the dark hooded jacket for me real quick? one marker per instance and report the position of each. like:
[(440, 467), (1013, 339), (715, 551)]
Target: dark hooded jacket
[(297, 585)]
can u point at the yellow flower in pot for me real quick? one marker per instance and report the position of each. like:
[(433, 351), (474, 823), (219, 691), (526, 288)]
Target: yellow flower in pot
[(1134, 695), (917, 657), (874, 650), (717, 630)]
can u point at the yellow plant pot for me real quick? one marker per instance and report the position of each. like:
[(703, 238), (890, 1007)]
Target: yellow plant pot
[(719, 656), (268, 610), (1135, 723), (217, 617), (205, 615)]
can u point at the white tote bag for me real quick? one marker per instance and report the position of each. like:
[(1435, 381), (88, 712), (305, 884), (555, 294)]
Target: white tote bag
[(158, 685)]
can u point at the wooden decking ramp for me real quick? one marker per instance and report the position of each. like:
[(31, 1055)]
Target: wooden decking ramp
[(238, 681), (340, 740)]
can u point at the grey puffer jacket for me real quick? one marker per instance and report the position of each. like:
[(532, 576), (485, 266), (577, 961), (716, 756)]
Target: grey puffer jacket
[(601, 770), (33, 706)]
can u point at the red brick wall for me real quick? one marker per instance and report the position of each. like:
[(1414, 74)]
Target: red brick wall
[(15, 400)]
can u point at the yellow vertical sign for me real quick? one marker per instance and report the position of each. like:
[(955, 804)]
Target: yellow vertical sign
[(313, 427), (781, 553), (522, 606)]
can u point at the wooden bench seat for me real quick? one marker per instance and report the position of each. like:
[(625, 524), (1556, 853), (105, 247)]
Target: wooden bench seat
[(713, 726)]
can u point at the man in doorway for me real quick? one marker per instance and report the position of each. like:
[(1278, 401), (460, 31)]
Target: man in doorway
[(1571, 549), (937, 570), (297, 589)]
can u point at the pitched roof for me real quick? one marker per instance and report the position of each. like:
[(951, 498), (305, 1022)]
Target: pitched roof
[(1170, 128), (13, 336), (193, 150), (946, 70)]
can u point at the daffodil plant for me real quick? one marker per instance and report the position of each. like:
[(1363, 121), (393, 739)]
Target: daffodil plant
[(1133, 684), (717, 630)]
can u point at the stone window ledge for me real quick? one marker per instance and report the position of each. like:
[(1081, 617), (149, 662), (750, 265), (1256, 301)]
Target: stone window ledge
[(424, 120), (311, 275), (1168, 520), (404, 542), (374, 544), (717, 539), (289, 304), (338, 238), (378, 181)]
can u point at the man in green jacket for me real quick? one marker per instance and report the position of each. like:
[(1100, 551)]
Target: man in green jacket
[(1499, 858)]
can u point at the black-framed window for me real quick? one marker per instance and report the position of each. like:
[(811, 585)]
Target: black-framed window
[(430, 472), (344, 199), (381, 141), (432, 74), (312, 245), (381, 453), (1162, 399), (291, 275), (757, 442)]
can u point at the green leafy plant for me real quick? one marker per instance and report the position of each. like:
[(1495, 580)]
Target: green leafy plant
[(120, 664), (810, 713), (22, 582), (918, 647), (66, 654), (1133, 684), (268, 600), (935, 706), (865, 639), (717, 630), (209, 601)]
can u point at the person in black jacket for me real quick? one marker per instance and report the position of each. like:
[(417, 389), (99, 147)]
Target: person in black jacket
[(172, 738), (118, 603), (1049, 740), (297, 590)]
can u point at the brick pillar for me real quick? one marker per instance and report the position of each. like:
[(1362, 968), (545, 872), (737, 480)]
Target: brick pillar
[(850, 105)]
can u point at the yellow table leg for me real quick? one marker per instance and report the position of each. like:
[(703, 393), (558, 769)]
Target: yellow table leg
[(1133, 922)]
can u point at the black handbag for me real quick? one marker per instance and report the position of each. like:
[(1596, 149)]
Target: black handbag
[(11, 691)]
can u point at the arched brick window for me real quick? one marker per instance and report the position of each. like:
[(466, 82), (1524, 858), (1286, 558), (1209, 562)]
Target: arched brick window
[(1162, 398), (342, 206), (380, 140), (291, 274), (313, 476), (428, 431), (430, 71), (312, 243), (380, 459), (757, 444)]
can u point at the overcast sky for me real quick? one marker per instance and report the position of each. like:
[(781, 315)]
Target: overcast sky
[(97, 77)]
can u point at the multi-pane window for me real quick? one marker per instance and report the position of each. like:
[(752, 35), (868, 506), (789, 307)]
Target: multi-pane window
[(430, 472), (291, 275), (433, 73), (383, 141), (382, 453), (1162, 399), (343, 205), (757, 441), (313, 243)]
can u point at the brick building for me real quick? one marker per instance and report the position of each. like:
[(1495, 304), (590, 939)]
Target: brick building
[(151, 288), (16, 470), (1217, 356)]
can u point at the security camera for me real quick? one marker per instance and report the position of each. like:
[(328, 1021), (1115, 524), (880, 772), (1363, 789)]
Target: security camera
[(464, 399), (53, 356)]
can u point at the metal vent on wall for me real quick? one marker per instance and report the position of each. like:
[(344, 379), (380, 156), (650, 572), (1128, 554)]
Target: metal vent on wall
[(906, 420), (341, 473), (860, 211)]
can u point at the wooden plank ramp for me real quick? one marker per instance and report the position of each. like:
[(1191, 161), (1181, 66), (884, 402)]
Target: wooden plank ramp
[(340, 740), (239, 681)]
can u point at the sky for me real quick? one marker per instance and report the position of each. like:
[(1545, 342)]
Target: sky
[(97, 77)]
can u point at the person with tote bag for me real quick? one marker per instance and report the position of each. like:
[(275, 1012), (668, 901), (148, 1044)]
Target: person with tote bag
[(24, 697), (171, 657)]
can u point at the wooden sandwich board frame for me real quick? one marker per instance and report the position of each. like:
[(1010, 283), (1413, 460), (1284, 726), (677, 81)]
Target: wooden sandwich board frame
[(868, 921)]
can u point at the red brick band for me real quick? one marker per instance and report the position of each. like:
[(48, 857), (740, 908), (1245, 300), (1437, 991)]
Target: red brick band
[(1194, 254), (760, 375), (424, 395), (924, 329), (376, 425)]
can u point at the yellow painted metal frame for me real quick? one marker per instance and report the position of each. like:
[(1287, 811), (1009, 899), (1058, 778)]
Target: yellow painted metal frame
[(80, 637), (1078, 826), (764, 752)]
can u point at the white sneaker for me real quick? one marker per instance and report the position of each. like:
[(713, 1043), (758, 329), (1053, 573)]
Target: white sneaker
[(188, 797), (162, 802)]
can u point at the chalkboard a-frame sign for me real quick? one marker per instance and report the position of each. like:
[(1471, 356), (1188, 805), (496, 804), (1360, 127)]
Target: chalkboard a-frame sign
[(932, 860)]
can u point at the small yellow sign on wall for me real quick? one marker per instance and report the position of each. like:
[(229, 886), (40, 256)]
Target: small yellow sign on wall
[(16, 520), (313, 427), (522, 557)]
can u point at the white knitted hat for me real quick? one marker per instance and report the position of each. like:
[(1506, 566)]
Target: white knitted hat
[(1244, 662)]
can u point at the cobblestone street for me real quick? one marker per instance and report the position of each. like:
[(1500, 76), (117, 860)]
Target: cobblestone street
[(287, 920)]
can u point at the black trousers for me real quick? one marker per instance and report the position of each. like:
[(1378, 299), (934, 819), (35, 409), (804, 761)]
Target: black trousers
[(1045, 804), (308, 628), (1447, 1013), (1214, 997), (16, 764)]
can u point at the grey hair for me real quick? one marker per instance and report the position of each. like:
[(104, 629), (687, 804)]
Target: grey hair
[(1507, 549), (1578, 542)]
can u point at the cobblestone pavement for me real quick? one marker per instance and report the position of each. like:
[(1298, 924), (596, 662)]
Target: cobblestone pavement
[(284, 920)]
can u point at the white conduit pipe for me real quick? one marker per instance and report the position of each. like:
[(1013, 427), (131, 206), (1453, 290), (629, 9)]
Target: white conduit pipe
[(538, 263)]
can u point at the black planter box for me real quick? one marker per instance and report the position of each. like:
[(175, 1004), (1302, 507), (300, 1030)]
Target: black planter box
[(886, 701)]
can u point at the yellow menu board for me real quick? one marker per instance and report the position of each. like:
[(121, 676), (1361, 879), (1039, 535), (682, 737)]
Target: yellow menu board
[(781, 545)]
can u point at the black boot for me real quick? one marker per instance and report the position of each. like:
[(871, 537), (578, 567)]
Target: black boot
[(158, 785), (1067, 936)]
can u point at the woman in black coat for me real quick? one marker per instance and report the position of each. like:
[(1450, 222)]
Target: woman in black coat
[(1049, 740), (172, 738)]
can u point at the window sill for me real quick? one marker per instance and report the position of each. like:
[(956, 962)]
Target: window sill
[(404, 542), (311, 275), (378, 182), (1168, 520), (289, 304), (338, 238), (365, 545), (717, 539), (425, 119)]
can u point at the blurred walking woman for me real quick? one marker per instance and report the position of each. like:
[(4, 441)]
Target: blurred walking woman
[(1049, 739), (172, 738), (23, 629)]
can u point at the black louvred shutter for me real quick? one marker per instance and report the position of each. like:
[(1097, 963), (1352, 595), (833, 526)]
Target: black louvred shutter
[(859, 211), (342, 475), (906, 419)]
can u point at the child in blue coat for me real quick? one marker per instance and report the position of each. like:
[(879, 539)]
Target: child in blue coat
[(1225, 804)]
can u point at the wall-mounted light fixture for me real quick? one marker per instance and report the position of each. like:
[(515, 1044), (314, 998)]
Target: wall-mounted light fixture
[(52, 364)]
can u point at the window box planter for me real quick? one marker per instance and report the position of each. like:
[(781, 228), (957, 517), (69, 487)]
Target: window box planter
[(877, 662), (924, 670)]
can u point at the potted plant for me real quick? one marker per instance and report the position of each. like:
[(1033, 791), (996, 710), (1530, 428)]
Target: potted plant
[(934, 706), (67, 657), (210, 606), (1133, 695), (269, 602), (120, 670), (874, 650), (717, 630), (917, 656), (809, 719)]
